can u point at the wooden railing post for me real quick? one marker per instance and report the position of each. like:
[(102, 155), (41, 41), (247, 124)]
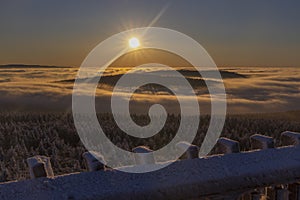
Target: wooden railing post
[(281, 193), (40, 166), (192, 151), (290, 138), (94, 161), (261, 142), (294, 191), (143, 155), (225, 146), (256, 196)]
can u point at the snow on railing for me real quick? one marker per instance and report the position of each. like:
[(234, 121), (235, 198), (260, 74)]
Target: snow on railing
[(265, 172), (94, 161), (40, 166)]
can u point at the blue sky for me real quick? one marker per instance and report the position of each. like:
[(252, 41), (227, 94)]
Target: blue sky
[(234, 32)]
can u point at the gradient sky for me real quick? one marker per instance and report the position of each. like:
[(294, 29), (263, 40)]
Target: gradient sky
[(234, 32)]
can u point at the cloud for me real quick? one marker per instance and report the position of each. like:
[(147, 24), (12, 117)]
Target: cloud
[(261, 90)]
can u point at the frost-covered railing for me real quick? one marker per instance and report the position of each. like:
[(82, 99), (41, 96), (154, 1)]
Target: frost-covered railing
[(263, 173)]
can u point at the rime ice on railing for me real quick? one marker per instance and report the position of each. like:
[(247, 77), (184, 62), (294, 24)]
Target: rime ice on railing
[(192, 151), (261, 142), (143, 155), (226, 145), (40, 166), (273, 173), (290, 138), (94, 161)]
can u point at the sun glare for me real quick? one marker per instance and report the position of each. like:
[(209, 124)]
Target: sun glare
[(134, 42)]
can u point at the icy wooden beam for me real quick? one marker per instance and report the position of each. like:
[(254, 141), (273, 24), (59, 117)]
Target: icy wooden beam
[(256, 196), (281, 193), (94, 161), (143, 155), (194, 178), (261, 142), (39, 166), (294, 191), (192, 151), (226, 146), (290, 138)]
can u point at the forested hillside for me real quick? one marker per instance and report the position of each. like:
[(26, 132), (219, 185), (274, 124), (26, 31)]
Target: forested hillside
[(54, 135)]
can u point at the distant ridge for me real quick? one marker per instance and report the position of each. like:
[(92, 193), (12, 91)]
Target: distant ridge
[(189, 74), (30, 66)]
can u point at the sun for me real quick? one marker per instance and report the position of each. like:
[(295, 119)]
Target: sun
[(134, 42)]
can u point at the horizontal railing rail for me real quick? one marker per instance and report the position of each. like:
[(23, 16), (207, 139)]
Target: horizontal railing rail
[(230, 175)]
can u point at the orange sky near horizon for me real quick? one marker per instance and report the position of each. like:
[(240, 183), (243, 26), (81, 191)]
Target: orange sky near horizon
[(234, 33)]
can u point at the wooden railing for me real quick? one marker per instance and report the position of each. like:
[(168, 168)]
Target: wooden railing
[(265, 172)]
